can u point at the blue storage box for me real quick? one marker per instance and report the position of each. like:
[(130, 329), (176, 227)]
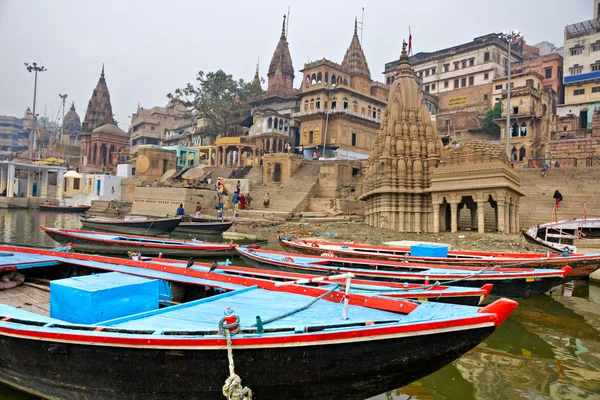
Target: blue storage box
[(428, 250), (95, 298)]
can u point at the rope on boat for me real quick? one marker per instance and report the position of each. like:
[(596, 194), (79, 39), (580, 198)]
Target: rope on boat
[(232, 389), (304, 307)]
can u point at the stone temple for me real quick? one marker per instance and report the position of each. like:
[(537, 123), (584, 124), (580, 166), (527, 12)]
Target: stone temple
[(406, 151)]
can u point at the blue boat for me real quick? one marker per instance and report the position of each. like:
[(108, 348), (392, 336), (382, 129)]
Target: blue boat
[(105, 335)]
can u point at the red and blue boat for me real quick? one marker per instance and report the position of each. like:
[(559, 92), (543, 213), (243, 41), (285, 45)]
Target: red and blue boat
[(179, 351)]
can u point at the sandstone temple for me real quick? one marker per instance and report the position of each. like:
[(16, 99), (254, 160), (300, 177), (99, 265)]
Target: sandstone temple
[(412, 184)]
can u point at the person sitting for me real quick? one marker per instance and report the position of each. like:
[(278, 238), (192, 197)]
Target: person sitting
[(180, 210), (48, 203)]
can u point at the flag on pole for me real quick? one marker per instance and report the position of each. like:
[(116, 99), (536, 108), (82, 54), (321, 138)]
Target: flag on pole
[(409, 42)]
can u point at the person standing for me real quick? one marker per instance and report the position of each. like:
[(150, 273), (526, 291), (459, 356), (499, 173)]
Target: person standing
[(545, 169), (266, 200), (558, 198), (242, 201), (238, 187), (248, 199), (198, 209), (155, 183)]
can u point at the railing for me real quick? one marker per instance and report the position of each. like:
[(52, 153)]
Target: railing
[(566, 162), (337, 110), (582, 28), (583, 133)]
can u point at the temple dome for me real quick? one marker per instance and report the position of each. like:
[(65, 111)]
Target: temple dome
[(111, 129), (72, 123)]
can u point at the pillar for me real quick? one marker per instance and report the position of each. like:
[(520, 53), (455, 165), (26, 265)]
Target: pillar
[(500, 212), (480, 216), (2, 178), (239, 156), (59, 184), (10, 188), (29, 183), (454, 217), (436, 217), (507, 218), (513, 219), (97, 160), (517, 220), (44, 184)]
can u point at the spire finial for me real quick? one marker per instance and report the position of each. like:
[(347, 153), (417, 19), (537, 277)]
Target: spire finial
[(283, 27), (102, 74), (73, 106), (356, 25)]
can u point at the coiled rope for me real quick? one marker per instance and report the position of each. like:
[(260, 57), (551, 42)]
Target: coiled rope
[(233, 389)]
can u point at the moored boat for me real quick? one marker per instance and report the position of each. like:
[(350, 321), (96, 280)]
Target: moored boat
[(132, 225), (122, 244), (302, 332), (204, 226), (582, 265), (509, 282), (560, 235), (65, 209)]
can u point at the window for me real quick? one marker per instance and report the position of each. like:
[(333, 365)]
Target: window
[(596, 47), (388, 80), (446, 84), (548, 73), (353, 139), (486, 76), (427, 88), (485, 97), (576, 51), (529, 82), (152, 127), (515, 110), (76, 183), (596, 89), (471, 62), (305, 106), (420, 74), (463, 82), (318, 103), (345, 104), (355, 107), (596, 67), (498, 87), (463, 63), (433, 86), (446, 67), (457, 65), (333, 104), (578, 92), (575, 70), (486, 56), (426, 72), (311, 137), (362, 111), (432, 71), (471, 80), (312, 104), (514, 132), (456, 84), (374, 114), (447, 123), (523, 129)]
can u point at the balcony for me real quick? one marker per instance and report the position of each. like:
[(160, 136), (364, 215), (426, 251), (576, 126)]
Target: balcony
[(336, 111), (583, 133)]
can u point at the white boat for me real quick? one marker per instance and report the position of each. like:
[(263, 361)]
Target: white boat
[(560, 235)]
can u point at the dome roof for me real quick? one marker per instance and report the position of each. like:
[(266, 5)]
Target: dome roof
[(72, 123), (474, 151), (110, 129)]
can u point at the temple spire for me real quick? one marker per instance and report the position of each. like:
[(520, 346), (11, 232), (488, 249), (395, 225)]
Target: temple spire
[(283, 28), (356, 26), (256, 80), (73, 106), (355, 61), (281, 71), (102, 74)]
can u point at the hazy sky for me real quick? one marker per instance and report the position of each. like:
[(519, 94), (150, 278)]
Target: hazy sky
[(149, 48)]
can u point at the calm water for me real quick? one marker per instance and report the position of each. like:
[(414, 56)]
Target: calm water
[(548, 349)]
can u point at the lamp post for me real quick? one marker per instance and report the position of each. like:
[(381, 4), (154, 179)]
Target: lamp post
[(62, 133), (509, 37), (32, 142)]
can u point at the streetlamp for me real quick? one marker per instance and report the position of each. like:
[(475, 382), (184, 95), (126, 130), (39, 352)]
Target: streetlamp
[(510, 38), (33, 68), (62, 133)]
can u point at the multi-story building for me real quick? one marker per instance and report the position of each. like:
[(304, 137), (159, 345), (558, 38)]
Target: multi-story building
[(532, 114), (462, 79), (549, 66), (10, 129), (150, 126), (582, 69), (341, 105)]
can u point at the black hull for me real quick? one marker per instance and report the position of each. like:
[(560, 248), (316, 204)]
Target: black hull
[(144, 228), (83, 245), (350, 370), (511, 288), (200, 228), (64, 209)]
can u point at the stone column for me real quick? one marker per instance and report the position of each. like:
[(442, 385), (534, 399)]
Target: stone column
[(480, 216), (10, 182), (97, 160), (44, 184), (507, 218), (59, 184), (2, 178), (29, 183), (454, 217), (513, 218), (239, 156), (436, 217), (501, 206), (517, 220)]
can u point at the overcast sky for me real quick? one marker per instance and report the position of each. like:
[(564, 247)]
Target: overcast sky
[(149, 48)]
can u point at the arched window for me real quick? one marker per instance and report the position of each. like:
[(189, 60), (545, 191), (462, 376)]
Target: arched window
[(305, 105), (522, 154), (333, 103), (339, 80), (333, 80), (523, 129), (313, 79), (345, 103), (515, 131), (269, 123), (369, 114), (312, 104), (345, 82), (281, 124), (275, 123), (355, 106), (513, 154), (379, 113), (374, 114), (326, 78), (318, 103), (307, 80), (319, 78)]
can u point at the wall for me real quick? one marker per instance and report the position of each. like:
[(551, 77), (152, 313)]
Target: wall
[(160, 161), (289, 164), (107, 182), (164, 201), (575, 148), (128, 187)]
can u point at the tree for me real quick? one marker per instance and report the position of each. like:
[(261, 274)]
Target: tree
[(495, 113), (218, 98)]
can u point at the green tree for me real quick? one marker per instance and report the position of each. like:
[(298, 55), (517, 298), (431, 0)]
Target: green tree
[(218, 98), (495, 113)]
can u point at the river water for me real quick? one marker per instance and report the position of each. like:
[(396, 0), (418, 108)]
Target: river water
[(549, 348)]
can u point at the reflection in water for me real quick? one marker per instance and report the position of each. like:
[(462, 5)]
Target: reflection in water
[(548, 349)]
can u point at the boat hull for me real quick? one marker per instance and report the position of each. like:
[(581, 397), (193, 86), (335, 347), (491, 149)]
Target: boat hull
[(146, 228), (581, 267), (202, 228), (83, 245), (61, 370), (65, 209)]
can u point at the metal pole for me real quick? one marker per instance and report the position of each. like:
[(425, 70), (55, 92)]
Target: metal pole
[(509, 40), (32, 141)]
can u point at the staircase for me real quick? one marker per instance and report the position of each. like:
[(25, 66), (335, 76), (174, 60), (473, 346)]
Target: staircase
[(287, 198), (223, 172), (577, 185), (254, 174)]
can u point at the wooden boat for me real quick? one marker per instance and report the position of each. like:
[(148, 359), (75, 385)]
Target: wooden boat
[(123, 244), (132, 225), (394, 347), (204, 226), (582, 265), (558, 236), (65, 209), (509, 282)]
